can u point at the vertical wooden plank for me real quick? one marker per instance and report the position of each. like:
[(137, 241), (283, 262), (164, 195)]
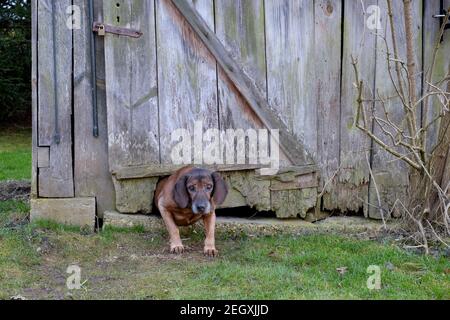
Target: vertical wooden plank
[(240, 28), (34, 97), (290, 39), (131, 85), (91, 169), (391, 174), (187, 80), (359, 41), (442, 64), (43, 157), (57, 180), (328, 20)]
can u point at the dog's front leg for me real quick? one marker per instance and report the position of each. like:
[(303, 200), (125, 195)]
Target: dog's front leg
[(209, 221), (175, 241)]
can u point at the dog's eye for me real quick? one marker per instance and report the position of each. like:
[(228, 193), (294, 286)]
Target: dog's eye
[(191, 188), (209, 187)]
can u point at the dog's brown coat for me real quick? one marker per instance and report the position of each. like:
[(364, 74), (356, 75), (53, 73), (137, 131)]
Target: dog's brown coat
[(175, 215)]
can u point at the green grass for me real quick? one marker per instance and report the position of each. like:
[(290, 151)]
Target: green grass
[(130, 263), (135, 264), (15, 154)]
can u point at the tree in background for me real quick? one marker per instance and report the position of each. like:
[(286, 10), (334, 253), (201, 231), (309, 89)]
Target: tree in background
[(15, 60), (426, 211)]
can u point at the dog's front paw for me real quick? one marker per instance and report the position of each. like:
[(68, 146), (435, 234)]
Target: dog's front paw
[(177, 248), (210, 251)]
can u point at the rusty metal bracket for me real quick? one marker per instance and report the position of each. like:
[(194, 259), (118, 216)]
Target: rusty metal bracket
[(102, 29)]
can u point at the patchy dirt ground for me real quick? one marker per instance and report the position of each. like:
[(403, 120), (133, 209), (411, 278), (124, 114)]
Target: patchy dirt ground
[(15, 190), (254, 263), (264, 259)]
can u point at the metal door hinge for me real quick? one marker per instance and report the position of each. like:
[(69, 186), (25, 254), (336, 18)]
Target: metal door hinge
[(441, 16), (102, 29)]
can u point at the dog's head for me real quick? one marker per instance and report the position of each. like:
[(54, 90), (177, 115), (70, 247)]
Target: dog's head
[(198, 188)]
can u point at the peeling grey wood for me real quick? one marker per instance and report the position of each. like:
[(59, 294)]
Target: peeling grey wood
[(91, 167), (290, 43), (299, 182), (133, 137), (240, 28), (303, 52), (43, 157), (390, 173), (351, 189), (295, 151), (137, 172), (293, 203), (246, 190), (187, 81), (57, 179), (328, 20), (291, 170), (132, 105), (70, 211)]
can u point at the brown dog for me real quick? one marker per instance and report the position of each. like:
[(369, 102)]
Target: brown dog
[(190, 194)]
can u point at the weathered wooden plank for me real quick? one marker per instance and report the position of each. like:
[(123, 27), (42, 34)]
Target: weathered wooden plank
[(187, 79), (359, 42), (293, 203), (287, 142), (239, 25), (133, 136), (138, 172), (70, 211), (442, 64), (246, 190), (43, 157), (294, 170), (91, 168), (240, 28), (57, 180), (328, 20), (306, 181), (131, 96), (291, 60), (391, 174), (34, 98)]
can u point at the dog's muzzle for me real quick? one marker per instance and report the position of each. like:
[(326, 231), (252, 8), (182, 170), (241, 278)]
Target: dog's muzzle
[(201, 208)]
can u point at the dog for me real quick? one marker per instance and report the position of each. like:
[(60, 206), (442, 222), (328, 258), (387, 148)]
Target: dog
[(185, 197)]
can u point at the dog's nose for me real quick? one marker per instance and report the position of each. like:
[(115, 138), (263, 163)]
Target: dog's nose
[(201, 208)]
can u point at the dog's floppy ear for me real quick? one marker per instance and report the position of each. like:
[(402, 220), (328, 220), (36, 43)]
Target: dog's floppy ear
[(220, 188), (180, 194)]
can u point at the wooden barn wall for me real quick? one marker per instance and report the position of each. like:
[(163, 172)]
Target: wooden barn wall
[(442, 62), (352, 180), (240, 27), (54, 137), (297, 52), (187, 77), (92, 177), (78, 165)]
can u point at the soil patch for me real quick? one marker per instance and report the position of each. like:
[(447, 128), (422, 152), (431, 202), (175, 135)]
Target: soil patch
[(15, 190)]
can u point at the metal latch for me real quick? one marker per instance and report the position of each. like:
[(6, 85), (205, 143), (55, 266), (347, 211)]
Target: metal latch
[(102, 29), (441, 16)]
